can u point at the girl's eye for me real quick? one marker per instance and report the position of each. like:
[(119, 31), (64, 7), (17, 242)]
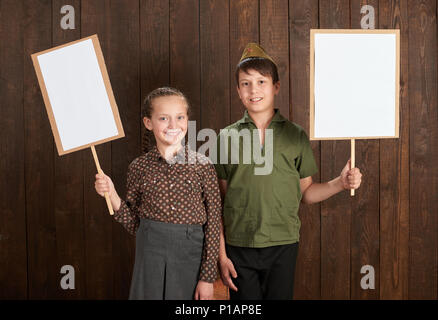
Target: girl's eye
[(162, 118), (181, 117), (262, 81), (244, 84)]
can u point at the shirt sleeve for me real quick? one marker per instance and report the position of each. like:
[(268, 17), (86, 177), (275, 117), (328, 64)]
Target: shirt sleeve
[(127, 214), (305, 163), (212, 202)]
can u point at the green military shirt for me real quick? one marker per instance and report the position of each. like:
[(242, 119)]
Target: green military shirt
[(261, 210)]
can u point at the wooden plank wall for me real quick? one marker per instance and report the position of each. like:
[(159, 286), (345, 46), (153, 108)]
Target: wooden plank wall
[(51, 216)]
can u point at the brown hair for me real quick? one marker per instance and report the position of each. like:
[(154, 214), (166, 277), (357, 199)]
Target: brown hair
[(148, 139), (264, 66)]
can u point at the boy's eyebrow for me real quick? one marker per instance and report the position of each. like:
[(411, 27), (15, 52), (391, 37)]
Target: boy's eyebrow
[(257, 78)]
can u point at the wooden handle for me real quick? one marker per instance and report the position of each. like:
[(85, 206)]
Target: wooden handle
[(352, 161), (99, 170)]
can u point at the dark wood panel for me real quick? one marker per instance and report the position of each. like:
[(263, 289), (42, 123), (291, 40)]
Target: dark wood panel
[(244, 28), (365, 204), (303, 17), (13, 247), (394, 172), (336, 211), (184, 52), (215, 89), (100, 276), (124, 66), (43, 271), (69, 182), (274, 37), (423, 149)]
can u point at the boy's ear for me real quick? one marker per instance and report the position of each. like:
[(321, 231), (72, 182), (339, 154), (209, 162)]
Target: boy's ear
[(238, 92), (277, 87), (147, 123)]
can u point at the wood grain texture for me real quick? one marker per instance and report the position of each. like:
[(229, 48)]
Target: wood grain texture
[(423, 151), (43, 271), (215, 89), (303, 17), (13, 242), (394, 172)]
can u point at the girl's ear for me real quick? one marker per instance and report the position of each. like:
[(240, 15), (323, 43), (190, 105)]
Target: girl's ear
[(147, 123)]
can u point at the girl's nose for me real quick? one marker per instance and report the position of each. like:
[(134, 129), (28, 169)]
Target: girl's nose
[(172, 123)]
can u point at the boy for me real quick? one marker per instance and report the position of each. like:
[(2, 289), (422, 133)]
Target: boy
[(260, 212)]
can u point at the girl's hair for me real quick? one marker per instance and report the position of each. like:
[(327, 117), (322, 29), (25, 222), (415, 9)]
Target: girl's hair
[(148, 139)]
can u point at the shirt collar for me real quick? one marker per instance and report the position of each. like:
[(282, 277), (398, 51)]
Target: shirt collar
[(276, 118), (180, 157)]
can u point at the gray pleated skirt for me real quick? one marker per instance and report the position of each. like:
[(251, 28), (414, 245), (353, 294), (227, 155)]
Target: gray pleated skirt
[(167, 261)]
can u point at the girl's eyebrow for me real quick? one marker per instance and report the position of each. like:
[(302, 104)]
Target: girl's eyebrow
[(165, 114)]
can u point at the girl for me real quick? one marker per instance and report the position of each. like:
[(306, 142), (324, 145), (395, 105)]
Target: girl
[(173, 207)]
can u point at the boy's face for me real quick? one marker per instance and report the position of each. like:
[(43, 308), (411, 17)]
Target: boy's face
[(257, 91), (168, 120)]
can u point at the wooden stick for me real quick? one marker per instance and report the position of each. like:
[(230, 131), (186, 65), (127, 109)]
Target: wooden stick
[(352, 162), (99, 170)]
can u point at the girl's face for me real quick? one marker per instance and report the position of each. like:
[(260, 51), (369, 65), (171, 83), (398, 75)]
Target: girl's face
[(257, 91), (168, 120)]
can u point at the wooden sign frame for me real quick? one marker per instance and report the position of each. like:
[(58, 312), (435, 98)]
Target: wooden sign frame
[(312, 78), (49, 109)]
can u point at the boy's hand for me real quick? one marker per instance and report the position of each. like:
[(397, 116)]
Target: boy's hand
[(227, 270), (350, 178), (204, 290), (104, 184)]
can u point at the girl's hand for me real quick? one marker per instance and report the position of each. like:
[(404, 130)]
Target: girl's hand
[(104, 184), (351, 178), (204, 291)]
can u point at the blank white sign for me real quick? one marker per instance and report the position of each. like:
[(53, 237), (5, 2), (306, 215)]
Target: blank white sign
[(77, 94), (355, 89)]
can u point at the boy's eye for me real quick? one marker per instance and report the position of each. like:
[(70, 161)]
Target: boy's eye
[(181, 117), (162, 118), (244, 84), (262, 81)]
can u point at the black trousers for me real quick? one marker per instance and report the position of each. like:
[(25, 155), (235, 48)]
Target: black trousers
[(263, 273)]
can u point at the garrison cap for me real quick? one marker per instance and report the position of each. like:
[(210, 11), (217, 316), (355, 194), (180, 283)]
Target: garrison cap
[(254, 50)]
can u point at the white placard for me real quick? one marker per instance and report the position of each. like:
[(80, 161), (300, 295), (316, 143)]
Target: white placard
[(355, 85), (78, 98)]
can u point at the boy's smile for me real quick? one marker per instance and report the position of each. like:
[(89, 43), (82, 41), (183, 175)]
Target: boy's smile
[(257, 91)]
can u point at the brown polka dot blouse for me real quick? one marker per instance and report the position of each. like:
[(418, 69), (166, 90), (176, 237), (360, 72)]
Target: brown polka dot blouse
[(182, 190)]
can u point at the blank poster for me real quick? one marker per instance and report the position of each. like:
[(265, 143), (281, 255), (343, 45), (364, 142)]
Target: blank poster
[(355, 85), (78, 96)]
